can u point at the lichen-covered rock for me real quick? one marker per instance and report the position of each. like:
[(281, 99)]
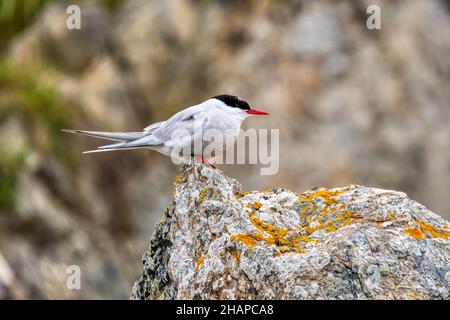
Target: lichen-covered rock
[(217, 242)]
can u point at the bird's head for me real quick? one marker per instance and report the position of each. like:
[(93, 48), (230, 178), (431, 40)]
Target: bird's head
[(238, 105)]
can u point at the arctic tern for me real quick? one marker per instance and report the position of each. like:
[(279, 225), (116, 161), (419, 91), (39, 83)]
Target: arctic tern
[(220, 115)]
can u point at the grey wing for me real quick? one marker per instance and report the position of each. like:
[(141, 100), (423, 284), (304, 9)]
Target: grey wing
[(182, 120), (160, 133), (153, 127)]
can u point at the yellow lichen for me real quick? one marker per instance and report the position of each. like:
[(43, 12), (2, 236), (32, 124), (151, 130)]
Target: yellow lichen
[(180, 177), (201, 197), (199, 262)]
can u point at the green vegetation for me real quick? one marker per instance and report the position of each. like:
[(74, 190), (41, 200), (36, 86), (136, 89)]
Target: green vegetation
[(37, 104), (27, 94), (10, 166), (15, 15), (42, 113)]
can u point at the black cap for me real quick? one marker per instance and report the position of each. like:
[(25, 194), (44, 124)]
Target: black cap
[(233, 101)]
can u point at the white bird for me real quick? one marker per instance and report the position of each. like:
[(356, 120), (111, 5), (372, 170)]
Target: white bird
[(194, 126)]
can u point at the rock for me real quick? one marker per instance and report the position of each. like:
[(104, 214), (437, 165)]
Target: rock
[(217, 242)]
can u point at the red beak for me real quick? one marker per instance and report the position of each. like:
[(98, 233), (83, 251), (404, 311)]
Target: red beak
[(256, 111)]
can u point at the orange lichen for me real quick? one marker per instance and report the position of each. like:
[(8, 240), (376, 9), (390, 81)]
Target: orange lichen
[(323, 211), (248, 240), (257, 205), (331, 216), (347, 222), (415, 233), (424, 230), (309, 229), (432, 231), (180, 177), (340, 218), (199, 262), (284, 239), (328, 196), (273, 232), (304, 210)]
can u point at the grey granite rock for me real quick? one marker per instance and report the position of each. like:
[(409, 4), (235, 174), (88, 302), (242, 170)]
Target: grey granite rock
[(217, 242)]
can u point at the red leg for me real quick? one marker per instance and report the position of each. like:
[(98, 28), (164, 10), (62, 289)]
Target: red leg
[(203, 160), (200, 159)]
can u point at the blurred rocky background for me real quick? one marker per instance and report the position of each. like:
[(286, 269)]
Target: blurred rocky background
[(353, 105)]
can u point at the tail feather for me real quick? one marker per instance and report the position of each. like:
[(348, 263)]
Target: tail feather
[(120, 146), (110, 149), (123, 146), (128, 140), (115, 136), (110, 146)]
